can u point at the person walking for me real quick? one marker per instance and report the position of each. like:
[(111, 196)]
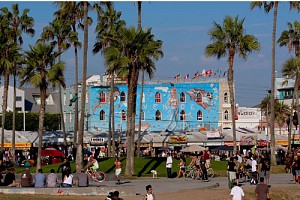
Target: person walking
[(297, 168), (118, 171), (169, 165), (149, 195), (262, 190), (203, 165), (231, 171), (254, 179), (237, 192), (265, 168)]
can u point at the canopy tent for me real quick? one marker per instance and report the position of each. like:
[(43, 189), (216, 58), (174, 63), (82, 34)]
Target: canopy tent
[(52, 152), (193, 148)]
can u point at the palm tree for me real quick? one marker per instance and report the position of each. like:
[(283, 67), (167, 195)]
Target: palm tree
[(134, 48), (58, 32), (290, 69), (107, 29), (230, 39), (71, 10), (282, 112), (291, 39), (17, 24), (39, 72), (79, 152)]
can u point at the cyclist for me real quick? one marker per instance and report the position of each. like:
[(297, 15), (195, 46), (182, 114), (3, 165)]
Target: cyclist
[(93, 165)]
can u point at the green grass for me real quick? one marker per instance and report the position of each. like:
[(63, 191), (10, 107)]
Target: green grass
[(144, 165)]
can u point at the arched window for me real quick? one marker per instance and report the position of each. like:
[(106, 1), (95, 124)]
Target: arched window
[(142, 115), (199, 97), (123, 115), (102, 97), (102, 115), (122, 97), (199, 115), (225, 97), (182, 97), (226, 115), (157, 97), (157, 115), (182, 115)]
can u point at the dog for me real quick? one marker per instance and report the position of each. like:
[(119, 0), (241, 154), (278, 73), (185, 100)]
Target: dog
[(154, 173)]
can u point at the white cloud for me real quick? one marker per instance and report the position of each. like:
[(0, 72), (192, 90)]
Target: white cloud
[(174, 58)]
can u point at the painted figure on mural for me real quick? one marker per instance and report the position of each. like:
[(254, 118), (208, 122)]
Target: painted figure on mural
[(173, 103)]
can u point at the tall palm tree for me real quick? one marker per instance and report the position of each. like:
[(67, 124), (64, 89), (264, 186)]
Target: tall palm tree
[(107, 29), (40, 71), (230, 39), (290, 69), (133, 48), (58, 33), (291, 39), (282, 112), (72, 11), (17, 24), (79, 153)]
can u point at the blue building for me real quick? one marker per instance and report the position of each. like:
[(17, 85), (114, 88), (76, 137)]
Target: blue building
[(182, 106)]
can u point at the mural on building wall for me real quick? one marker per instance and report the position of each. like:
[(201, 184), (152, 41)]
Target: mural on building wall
[(182, 107), (99, 103)]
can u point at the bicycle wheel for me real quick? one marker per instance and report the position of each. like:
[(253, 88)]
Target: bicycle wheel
[(99, 177), (210, 172)]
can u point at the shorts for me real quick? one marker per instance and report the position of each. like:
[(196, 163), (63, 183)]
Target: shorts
[(265, 174), (118, 171), (182, 168), (94, 168), (297, 172)]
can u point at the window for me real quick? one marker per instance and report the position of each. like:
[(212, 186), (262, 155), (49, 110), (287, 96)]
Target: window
[(123, 97), (123, 115), (37, 99), (225, 97), (102, 115), (102, 97), (143, 115), (199, 97), (182, 115), (157, 115), (199, 115), (226, 115), (18, 98), (157, 97), (182, 97)]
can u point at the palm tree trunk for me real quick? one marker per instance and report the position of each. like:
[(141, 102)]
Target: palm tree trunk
[(232, 101), (272, 133), (41, 128), (4, 105), (290, 124), (79, 155), (143, 79), (113, 113), (110, 113), (76, 102), (13, 141)]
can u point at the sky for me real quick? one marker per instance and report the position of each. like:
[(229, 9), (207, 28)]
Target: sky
[(183, 27)]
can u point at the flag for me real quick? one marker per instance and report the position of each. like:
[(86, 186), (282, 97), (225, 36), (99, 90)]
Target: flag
[(203, 73), (196, 75), (187, 76), (177, 77), (208, 73), (224, 74)]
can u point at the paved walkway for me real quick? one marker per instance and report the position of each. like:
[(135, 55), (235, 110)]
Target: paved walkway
[(137, 186)]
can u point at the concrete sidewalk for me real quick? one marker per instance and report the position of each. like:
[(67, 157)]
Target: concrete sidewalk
[(137, 186)]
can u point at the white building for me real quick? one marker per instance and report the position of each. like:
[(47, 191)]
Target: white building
[(248, 117), (20, 99)]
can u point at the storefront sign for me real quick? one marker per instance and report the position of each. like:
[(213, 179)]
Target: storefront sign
[(177, 139), (17, 145), (231, 144), (214, 144), (213, 135), (282, 142), (195, 143), (248, 140)]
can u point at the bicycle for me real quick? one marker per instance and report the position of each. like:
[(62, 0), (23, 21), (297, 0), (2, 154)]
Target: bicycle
[(210, 172), (98, 177)]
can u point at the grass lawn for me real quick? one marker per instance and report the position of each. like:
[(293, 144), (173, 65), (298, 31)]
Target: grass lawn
[(144, 165)]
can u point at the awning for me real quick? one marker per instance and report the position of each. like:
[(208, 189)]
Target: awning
[(17, 145), (52, 152)]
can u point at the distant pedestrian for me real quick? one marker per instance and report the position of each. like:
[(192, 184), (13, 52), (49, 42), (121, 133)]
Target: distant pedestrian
[(169, 165), (40, 179), (297, 169), (83, 179), (149, 195), (231, 171), (203, 166), (262, 190), (52, 179), (237, 192), (265, 168), (118, 171), (182, 167)]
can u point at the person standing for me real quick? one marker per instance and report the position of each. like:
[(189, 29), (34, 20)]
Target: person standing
[(237, 192), (40, 179), (203, 166), (52, 179), (118, 171), (26, 179), (262, 190), (297, 168), (149, 195), (169, 165), (265, 168), (254, 171), (231, 170)]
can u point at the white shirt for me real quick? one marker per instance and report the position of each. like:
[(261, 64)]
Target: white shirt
[(254, 165), (149, 196), (96, 164), (69, 180), (169, 162), (237, 193), (240, 159)]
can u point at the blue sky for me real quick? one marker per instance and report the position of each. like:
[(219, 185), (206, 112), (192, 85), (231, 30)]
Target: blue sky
[(183, 28)]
